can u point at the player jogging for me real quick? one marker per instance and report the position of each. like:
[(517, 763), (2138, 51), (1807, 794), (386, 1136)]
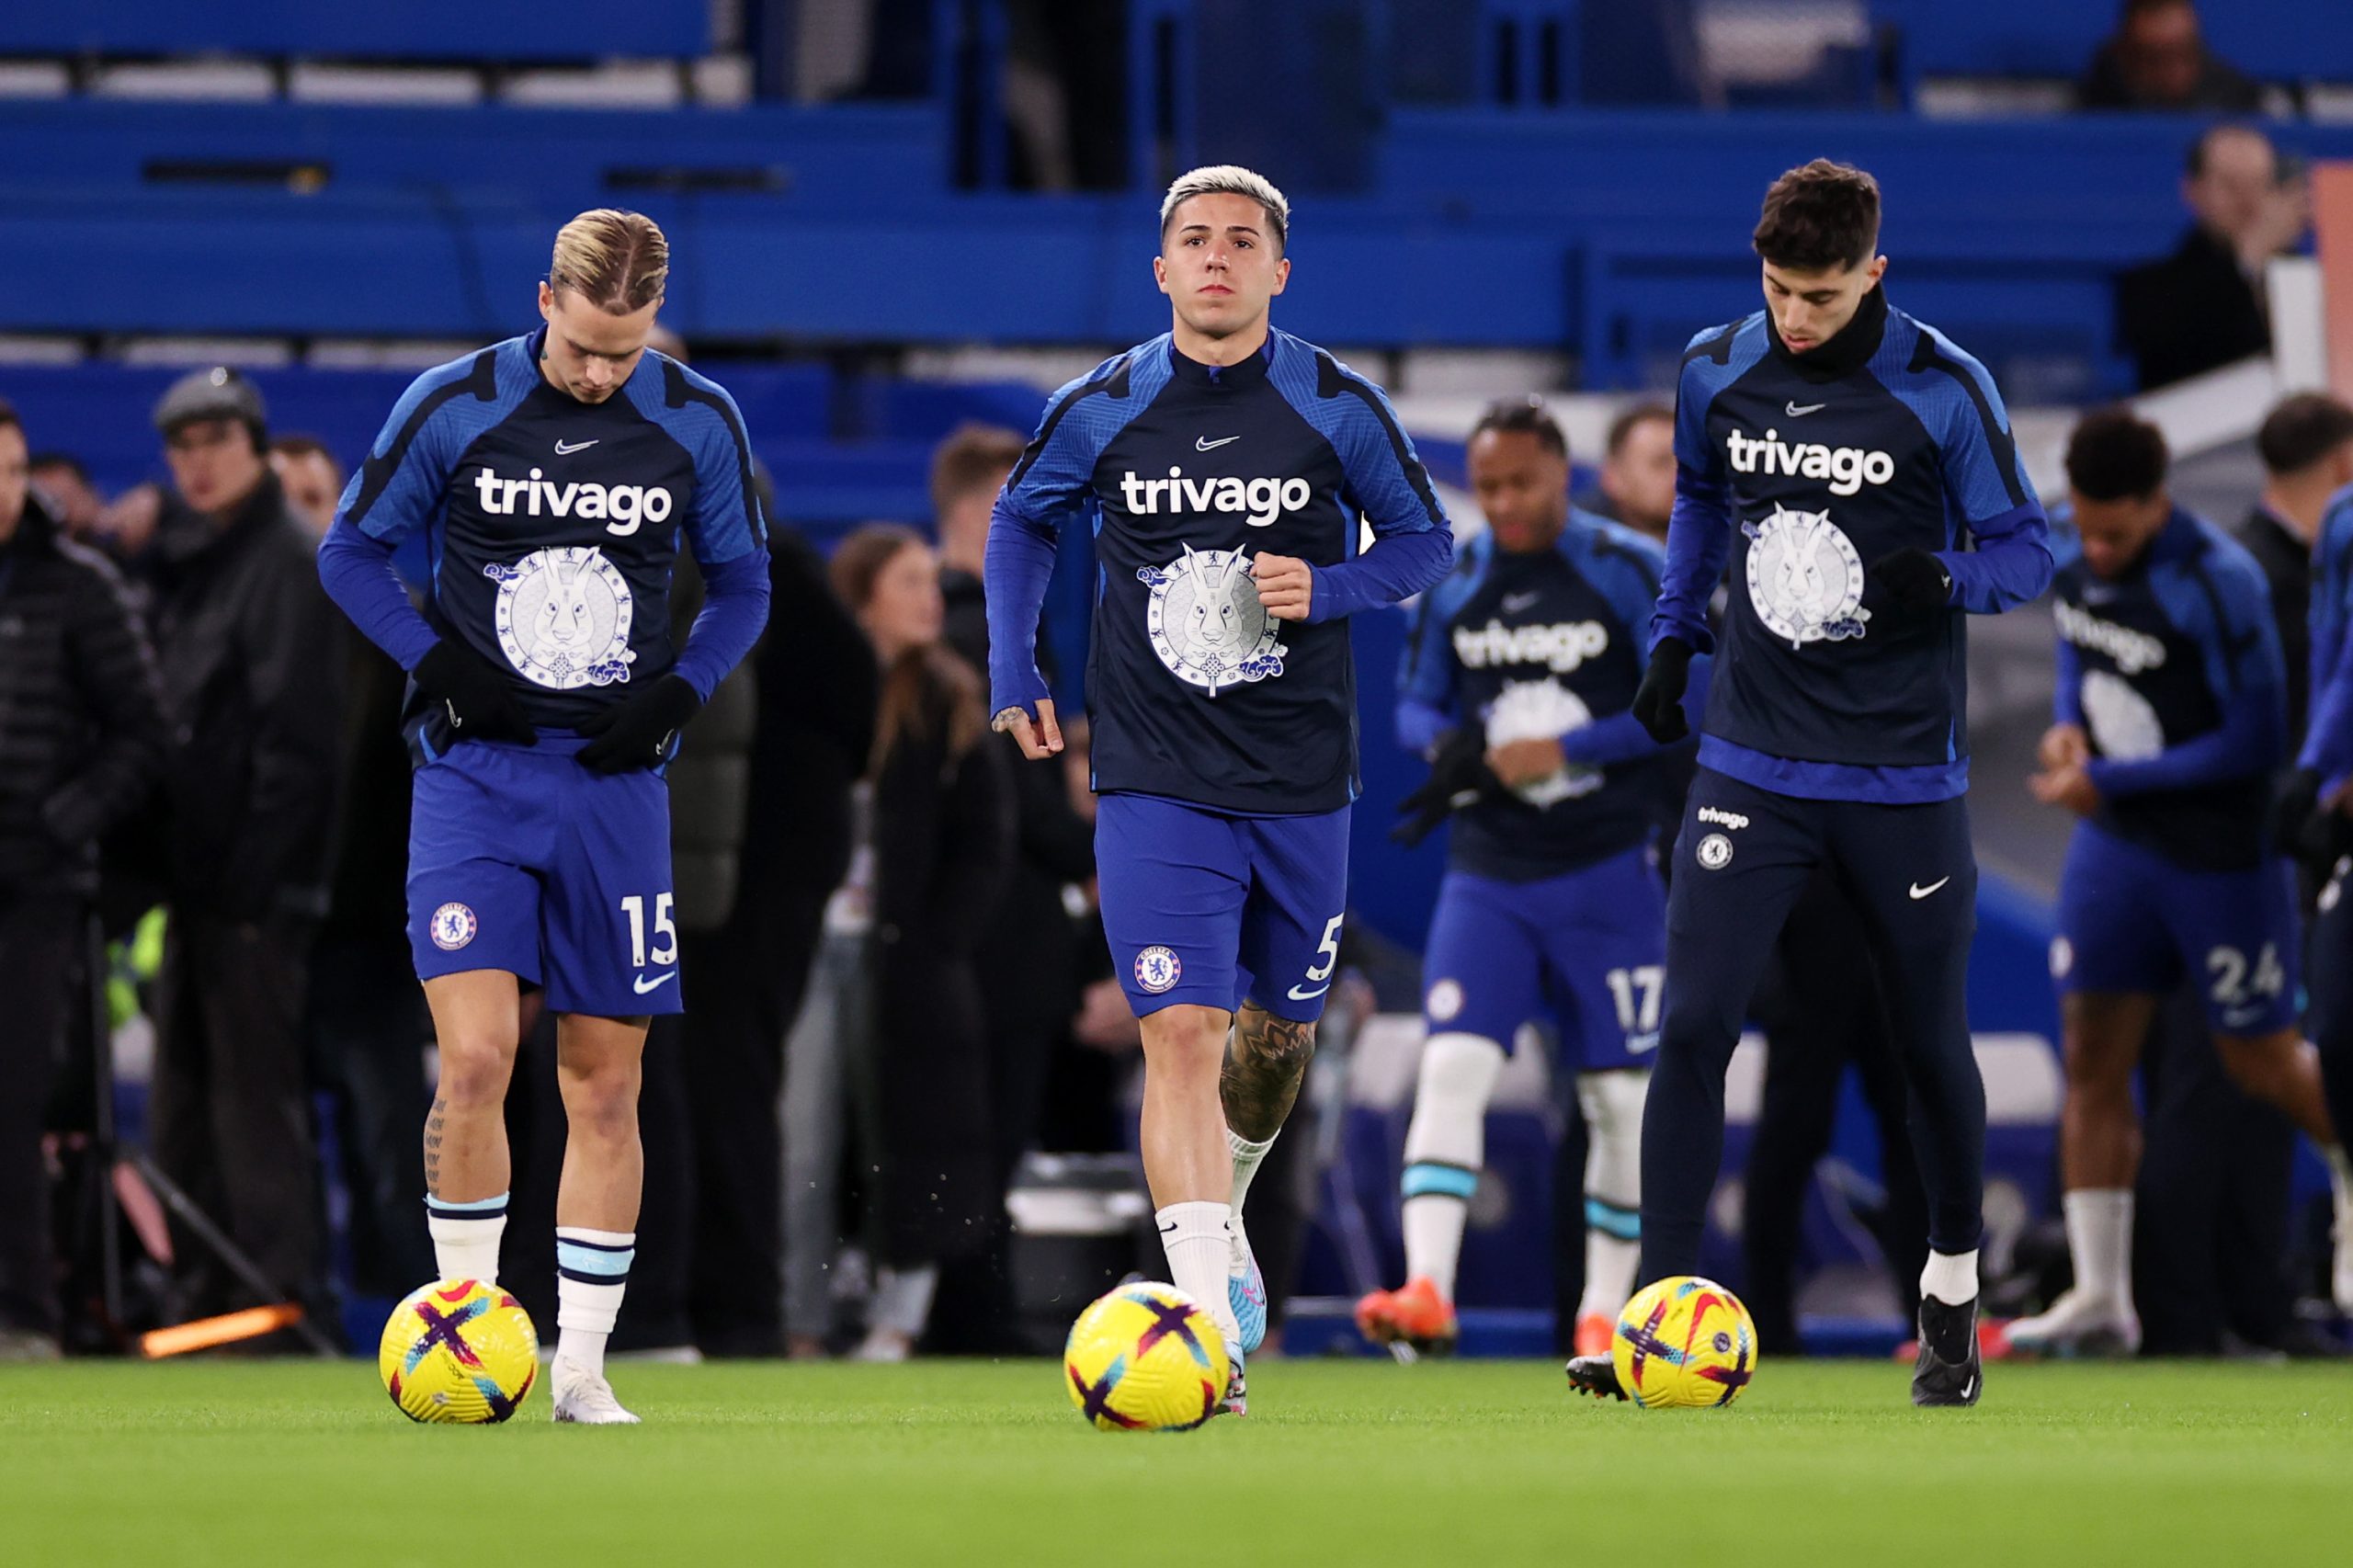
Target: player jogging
[(1227, 465), (2171, 716), (551, 476), (1839, 451), (1519, 677)]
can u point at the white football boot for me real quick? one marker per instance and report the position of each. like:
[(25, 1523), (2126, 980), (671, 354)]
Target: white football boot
[(1245, 1290), (2080, 1325), (583, 1397)]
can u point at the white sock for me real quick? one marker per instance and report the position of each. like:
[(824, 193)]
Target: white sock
[(1446, 1144), (2340, 1180), (1950, 1277), (1198, 1240), (1434, 1223), (903, 1299), (2099, 1235), (465, 1236), (591, 1273), (1246, 1158), (1613, 1187)]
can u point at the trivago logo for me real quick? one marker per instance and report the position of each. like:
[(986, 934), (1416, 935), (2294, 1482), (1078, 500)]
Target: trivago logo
[(1563, 645), (620, 508), (2132, 651), (1260, 500), (1848, 469)]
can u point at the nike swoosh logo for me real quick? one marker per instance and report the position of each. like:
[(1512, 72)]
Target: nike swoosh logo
[(565, 448), (1203, 444), (654, 983), (1514, 603), (1169, 1229), (1299, 995), (1919, 891), (1794, 412), (1969, 1388)]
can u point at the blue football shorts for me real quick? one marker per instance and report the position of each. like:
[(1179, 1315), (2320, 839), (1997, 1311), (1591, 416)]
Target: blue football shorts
[(521, 859)]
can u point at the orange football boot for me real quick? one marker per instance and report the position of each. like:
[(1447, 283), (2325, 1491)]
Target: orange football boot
[(1414, 1312), (1594, 1335)]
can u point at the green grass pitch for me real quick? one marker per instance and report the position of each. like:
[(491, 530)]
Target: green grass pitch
[(1357, 1462)]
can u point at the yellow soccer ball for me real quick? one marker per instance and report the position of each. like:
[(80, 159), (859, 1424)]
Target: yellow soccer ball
[(458, 1350), (1684, 1342), (1146, 1358)]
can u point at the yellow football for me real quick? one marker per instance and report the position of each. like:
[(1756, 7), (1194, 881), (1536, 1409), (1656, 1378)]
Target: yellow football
[(1145, 1358), (1686, 1342), (458, 1350)]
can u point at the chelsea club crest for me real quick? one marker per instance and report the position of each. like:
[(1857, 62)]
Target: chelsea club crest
[(562, 617), (1805, 578), (1206, 622)]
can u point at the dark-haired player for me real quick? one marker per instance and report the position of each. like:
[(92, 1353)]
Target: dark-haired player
[(1227, 466), (1845, 455), (2169, 723), (1518, 674)]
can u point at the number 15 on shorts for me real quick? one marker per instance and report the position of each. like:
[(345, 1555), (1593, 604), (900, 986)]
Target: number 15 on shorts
[(665, 950)]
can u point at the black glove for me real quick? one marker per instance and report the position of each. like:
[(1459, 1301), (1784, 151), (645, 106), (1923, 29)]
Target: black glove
[(1914, 582), (2300, 829), (477, 698), (1458, 776), (638, 731), (1658, 701)]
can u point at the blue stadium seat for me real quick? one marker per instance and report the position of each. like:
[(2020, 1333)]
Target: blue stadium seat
[(410, 30)]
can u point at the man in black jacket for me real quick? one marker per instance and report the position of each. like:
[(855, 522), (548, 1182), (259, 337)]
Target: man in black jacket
[(2207, 305), (83, 733), (252, 672)]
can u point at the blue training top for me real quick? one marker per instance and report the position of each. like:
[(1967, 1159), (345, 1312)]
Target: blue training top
[(1549, 643), (1190, 471), (551, 527), (1807, 476), (2173, 668), (2328, 733)]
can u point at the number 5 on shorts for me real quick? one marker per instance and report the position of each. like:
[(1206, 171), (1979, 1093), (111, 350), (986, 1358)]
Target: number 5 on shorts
[(1328, 954)]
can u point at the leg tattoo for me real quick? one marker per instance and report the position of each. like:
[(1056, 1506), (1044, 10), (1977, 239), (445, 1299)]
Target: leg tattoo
[(1263, 1071), (433, 1147)]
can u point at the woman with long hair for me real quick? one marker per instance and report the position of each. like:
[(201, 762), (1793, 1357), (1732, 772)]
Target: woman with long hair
[(937, 842)]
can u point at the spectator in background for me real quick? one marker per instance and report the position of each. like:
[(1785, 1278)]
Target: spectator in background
[(2206, 305), (942, 839), (246, 643), (65, 485), (2158, 59), (82, 730), (1637, 469), (2306, 445), (1027, 958), (312, 477), (364, 1022)]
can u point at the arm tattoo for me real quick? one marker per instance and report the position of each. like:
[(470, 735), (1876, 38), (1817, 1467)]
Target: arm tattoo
[(1263, 1070), (433, 1147)]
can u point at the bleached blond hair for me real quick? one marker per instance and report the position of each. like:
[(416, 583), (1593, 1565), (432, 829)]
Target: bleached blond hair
[(616, 261), (1229, 179)]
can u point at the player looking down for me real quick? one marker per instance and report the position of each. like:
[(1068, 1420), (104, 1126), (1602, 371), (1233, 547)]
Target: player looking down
[(1842, 454), (1518, 676), (552, 476), (2170, 718), (1227, 466)]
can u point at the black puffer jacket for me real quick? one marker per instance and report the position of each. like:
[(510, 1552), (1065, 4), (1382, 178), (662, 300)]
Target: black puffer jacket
[(252, 659), (81, 724)]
